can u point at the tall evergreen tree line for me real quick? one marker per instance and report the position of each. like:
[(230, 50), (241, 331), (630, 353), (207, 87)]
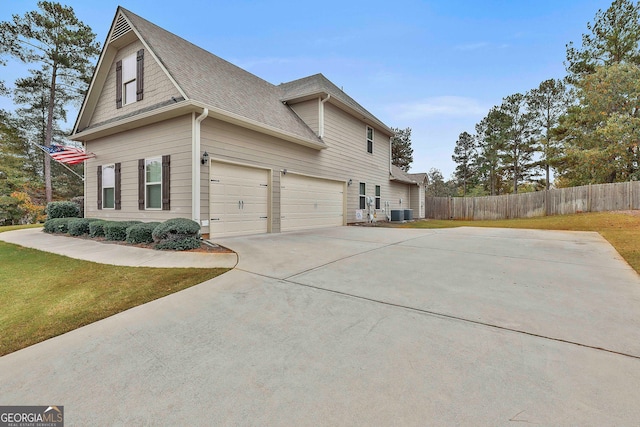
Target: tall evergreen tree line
[(585, 128), (60, 50)]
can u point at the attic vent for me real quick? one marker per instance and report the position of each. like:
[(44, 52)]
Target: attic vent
[(121, 28)]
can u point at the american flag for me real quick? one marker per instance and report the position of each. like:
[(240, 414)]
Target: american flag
[(68, 155)]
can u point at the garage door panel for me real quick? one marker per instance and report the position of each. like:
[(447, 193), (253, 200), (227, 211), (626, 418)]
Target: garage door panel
[(311, 203), (238, 200)]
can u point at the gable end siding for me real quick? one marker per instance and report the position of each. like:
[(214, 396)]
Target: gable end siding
[(308, 112), (157, 87)]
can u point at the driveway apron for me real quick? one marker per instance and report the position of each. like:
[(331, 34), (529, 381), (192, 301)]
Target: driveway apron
[(363, 326)]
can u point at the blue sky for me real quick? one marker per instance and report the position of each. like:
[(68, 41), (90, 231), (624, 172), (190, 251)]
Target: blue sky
[(435, 66)]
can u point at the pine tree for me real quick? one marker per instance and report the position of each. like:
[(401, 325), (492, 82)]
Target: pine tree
[(401, 151), (491, 134), (613, 38), (63, 47), (464, 155), (548, 102), (517, 152)]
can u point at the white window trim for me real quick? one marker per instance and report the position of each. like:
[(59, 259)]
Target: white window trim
[(104, 187), (378, 197), (369, 140), (129, 60), (146, 184), (362, 195)]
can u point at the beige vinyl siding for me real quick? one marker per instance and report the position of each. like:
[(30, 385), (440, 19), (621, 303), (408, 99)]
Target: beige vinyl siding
[(157, 87), (308, 112), (231, 143), (417, 201), (346, 137), (172, 137), (345, 158), (399, 191)]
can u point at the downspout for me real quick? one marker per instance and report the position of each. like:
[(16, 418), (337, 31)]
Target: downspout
[(321, 115), (195, 172), (390, 154)]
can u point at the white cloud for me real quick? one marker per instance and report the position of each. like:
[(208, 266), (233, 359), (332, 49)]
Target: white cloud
[(439, 106)]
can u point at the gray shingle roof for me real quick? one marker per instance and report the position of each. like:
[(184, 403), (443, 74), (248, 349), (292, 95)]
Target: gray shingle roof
[(418, 177), (209, 79), (398, 174)]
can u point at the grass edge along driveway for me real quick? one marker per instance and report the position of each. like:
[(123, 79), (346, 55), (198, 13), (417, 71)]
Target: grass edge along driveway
[(621, 229), (43, 295)]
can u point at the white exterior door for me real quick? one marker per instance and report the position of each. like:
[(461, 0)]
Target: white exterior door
[(239, 200), (308, 202)]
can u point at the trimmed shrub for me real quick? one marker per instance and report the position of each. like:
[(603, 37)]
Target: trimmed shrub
[(117, 230), (57, 225), (79, 226), (179, 245), (176, 229), (141, 233), (62, 210), (79, 201), (96, 228)]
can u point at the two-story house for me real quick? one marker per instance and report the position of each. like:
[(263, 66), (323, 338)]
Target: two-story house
[(179, 132)]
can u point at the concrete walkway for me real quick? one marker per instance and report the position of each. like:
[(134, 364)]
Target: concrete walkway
[(111, 253), (363, 326)]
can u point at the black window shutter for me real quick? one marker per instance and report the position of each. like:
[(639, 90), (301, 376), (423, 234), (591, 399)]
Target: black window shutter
[(140, 75), (141, 184), (99, 187), (117, 191), (166, 183), (119, 84)]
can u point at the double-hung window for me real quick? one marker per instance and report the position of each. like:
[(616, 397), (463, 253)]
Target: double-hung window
[(377, 197), (369, 140), (363, 195), (129, 79), (153, 183), (109, 186)]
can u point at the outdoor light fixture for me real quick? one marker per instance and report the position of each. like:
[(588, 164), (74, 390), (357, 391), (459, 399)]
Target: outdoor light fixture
[(205, 158), (350, 182), (284, 171)]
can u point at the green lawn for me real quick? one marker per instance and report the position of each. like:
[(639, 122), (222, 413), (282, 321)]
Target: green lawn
[(43, 295), (620, 229)]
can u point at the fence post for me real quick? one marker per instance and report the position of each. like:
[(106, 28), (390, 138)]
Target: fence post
[(546, 202), (589, 199)]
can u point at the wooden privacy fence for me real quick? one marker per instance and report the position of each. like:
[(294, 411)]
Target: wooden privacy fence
[(588, 198)]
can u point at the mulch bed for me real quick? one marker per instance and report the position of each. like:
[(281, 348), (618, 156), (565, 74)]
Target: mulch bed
[(204, 248)]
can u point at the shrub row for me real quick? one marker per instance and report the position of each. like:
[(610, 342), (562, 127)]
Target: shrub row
[(62, 210), (141, 233), (176, 234)]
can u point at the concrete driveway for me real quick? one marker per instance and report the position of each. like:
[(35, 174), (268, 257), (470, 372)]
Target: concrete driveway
[(363, 326)]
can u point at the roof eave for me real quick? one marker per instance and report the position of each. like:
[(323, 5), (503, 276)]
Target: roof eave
[(236, 119), (131, 122), (403, 181), (185, 107)]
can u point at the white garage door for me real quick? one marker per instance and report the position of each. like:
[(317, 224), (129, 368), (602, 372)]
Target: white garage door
[(239, 200), (310, 202)]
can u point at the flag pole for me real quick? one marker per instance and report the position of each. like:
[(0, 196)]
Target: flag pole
[(49, 154)]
